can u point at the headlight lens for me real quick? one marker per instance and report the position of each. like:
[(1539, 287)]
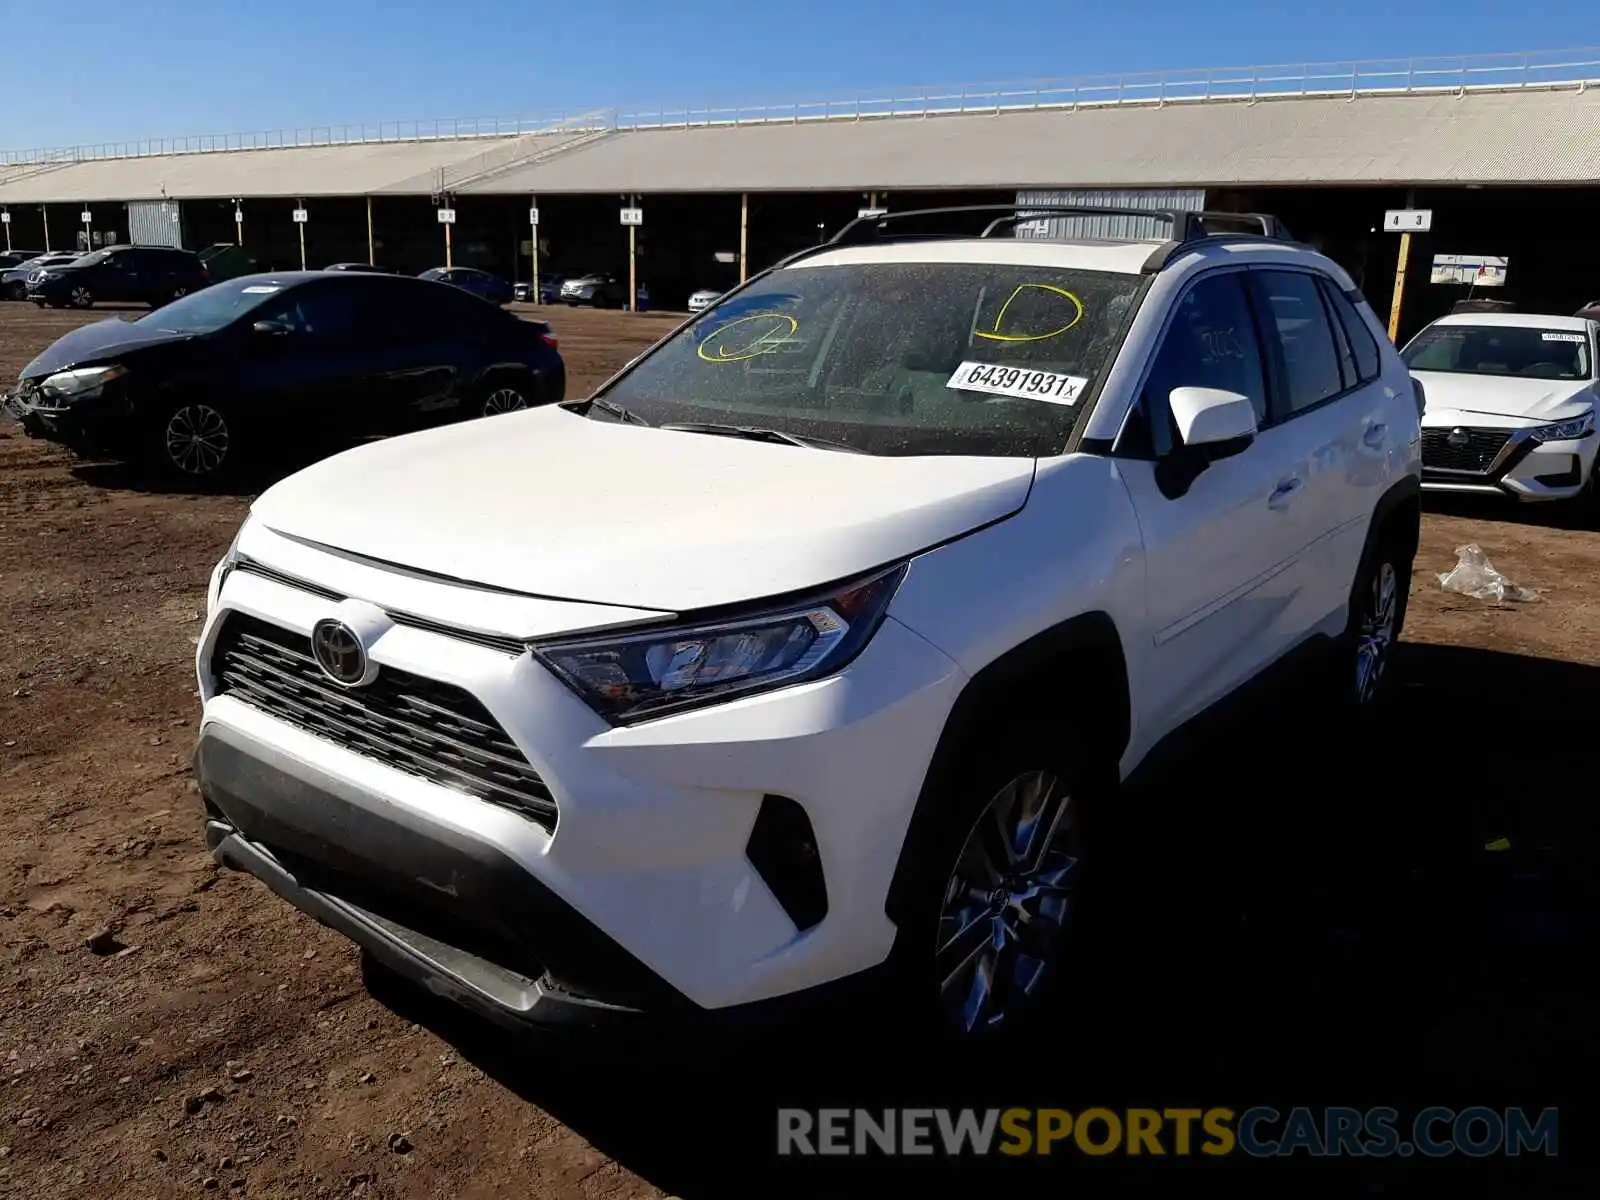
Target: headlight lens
[(1566, 431), (636, 677), (82, 381)]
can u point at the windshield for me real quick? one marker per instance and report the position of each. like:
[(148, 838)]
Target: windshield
[(211, 308), (92, 258), (895, 358), (1515, 350)]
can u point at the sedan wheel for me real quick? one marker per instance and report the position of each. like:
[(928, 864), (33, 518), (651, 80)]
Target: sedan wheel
[(1007, 902), (504, 400), (196, 440)]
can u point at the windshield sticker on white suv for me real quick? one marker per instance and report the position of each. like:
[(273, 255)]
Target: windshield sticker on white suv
[(1018, 382), (1566, 337)]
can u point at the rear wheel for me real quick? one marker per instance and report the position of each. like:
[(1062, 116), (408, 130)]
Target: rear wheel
[(1377, 615), (503, 398)]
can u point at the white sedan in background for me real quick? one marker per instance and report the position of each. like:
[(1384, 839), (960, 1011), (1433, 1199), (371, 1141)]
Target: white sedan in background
[(1510, 404), (703, 299)]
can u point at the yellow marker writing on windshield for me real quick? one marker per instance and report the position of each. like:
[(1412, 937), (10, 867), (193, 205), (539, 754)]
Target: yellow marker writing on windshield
[(997, 336), (780, 326)]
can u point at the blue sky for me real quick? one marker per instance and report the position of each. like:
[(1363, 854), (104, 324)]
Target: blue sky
[(135, 69)]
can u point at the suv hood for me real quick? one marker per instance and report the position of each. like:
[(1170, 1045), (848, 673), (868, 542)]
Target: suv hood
[(96, 343), (1503, 396), (550, 503)]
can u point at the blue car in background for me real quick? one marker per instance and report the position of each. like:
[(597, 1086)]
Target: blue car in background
[(469, 279)]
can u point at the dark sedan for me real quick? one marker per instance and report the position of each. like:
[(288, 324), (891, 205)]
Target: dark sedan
[(469, 279), (203, 384)]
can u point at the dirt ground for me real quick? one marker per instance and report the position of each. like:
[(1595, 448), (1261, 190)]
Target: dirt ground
[(1405, 917)]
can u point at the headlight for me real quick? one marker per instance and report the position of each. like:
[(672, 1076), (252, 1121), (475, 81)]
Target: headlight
[(634, 677), (1566, 431), (82, 381)]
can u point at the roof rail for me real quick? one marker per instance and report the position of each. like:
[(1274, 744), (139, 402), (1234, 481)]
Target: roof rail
[(1186, 226)]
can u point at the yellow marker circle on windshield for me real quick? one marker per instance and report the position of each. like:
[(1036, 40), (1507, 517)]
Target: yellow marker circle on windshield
[(779, 326), (996, 336)]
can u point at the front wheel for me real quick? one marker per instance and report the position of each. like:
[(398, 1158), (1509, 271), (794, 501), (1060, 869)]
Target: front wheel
[(80, 297), (992, 903), (195, 440)]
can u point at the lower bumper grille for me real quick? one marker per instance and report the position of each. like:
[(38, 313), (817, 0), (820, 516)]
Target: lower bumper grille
[(429, 729), (1476, 453)]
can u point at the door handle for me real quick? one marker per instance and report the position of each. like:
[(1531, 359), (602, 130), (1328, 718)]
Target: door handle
[(1374, 435), (1284, 490)]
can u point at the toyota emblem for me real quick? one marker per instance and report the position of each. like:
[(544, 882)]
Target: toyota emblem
[(1459, 437), (339, 652)]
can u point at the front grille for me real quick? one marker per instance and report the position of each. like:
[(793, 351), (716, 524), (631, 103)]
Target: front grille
[(433, 730), (1480, 450)]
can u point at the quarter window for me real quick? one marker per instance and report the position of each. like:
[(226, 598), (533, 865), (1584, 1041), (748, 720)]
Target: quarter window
[(1362, 345), (1293, 313)]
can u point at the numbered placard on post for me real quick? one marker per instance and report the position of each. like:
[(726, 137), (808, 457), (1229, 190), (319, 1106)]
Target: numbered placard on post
[(5, 218), (533, 216), (299, 216), (1408, 220), (86, 216), (633, 216), (447, 216)]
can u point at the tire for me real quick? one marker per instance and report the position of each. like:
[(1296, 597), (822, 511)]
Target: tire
[(503, 397), (80, 297), (193, 440), (1378, 602), (983, 942)]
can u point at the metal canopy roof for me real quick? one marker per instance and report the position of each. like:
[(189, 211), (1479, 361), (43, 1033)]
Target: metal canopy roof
[(350, 169), (1536, 135)]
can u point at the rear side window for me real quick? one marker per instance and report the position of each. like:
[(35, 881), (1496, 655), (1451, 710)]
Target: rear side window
[(1363, 349), (1293, 313)]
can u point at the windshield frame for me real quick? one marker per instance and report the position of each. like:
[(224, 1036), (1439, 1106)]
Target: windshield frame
[(1479, 327), (1082, 410)]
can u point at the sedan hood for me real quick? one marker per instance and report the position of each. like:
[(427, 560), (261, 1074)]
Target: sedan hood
[(550, 503), (96, 343), (1502, 396)]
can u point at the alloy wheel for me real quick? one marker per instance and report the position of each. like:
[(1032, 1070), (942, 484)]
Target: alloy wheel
[(504, 400), (80, 297), (1007, 902), (1375, 631), (197, 439)]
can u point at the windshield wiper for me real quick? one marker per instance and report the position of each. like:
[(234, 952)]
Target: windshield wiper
[(606, 406), (755, 434)]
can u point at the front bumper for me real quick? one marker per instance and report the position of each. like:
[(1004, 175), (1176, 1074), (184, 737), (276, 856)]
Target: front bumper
[(102, 424), (1506, 461), (655, 823)]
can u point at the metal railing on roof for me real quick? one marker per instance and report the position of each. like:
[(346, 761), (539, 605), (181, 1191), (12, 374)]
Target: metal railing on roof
[(1510, 71)]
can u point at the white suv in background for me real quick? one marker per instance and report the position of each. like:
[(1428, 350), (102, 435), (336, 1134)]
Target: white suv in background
[(1510, 404), (796, 653)]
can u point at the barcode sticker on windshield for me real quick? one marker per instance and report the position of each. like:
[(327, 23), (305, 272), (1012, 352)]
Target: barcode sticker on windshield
[(260, 289), (1565, 337), (1018, 382)]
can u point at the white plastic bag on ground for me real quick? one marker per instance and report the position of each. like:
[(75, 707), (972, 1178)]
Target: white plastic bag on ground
[(1474, 575)]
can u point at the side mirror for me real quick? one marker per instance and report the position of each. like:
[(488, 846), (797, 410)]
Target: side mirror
[(1213, 418), (1212, 424)]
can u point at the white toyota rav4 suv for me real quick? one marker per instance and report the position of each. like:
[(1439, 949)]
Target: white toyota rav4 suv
[(1511, 403), (794, 655)]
